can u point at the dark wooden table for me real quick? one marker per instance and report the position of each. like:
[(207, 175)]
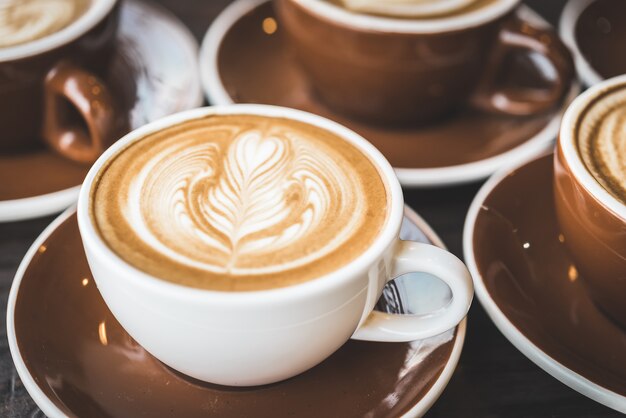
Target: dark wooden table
[(493, 379)]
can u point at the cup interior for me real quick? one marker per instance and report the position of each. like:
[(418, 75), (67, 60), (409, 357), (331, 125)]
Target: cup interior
[(573, 118), (328, 10), (388, 234), (96, 11)]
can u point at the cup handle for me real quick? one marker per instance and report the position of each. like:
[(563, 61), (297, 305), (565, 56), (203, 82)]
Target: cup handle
[(417, 257), (518, 34), (70, 91)]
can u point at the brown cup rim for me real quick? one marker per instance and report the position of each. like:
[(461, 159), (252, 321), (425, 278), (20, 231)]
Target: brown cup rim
[(570, 125), (328, 11), (97, 11)]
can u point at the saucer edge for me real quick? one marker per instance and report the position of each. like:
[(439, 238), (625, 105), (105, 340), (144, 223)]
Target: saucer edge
[(546, 362), (425, 178), (52, 411)]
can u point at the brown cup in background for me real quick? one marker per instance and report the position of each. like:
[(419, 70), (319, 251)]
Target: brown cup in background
[(592, 221), (406, 71), (52, 89)]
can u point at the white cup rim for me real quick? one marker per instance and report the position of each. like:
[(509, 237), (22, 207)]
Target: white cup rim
[(387, 235), (568, 143), (371, 23), (97, 10)]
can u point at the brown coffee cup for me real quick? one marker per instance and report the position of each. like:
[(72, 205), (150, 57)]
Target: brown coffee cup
[(51, 88), (409, 71), (592, 219)]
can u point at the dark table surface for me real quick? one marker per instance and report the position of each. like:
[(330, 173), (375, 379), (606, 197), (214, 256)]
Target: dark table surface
[(493, 379)]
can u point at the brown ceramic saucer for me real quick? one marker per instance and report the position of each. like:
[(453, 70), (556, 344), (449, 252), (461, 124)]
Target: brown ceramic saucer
[(146, 85), (595, 31), (75, 359), (530, 288), (243, 59)]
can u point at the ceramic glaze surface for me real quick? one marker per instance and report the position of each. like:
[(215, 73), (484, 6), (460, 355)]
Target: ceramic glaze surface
[(106, 362), (522, 258)]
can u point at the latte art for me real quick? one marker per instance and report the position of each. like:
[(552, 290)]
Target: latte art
[(262, 194), (22, 21), (602, 142), (239, 202)]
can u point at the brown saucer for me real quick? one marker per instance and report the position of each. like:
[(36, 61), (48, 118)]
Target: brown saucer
[(75, 359), (528, 284), (41, 182), (37, 173), (244, 60)]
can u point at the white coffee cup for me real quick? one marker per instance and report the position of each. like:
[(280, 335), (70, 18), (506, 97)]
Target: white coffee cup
[(259, 337)]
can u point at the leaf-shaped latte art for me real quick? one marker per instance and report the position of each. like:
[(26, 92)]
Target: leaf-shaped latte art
[(225, 209), (234, 202)]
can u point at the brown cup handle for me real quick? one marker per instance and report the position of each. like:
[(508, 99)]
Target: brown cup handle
[(516, 33), (71, 91)]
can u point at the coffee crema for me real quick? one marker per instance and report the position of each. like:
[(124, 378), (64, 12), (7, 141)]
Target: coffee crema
[(414, 9), (239, 202), (23, 21), (601, 137)]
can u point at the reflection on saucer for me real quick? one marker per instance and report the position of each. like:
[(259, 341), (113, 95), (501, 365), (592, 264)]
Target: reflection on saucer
[(75, 359), (529, 286), (244, 60)]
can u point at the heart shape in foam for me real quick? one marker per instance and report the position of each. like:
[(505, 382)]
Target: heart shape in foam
[(238, 203)]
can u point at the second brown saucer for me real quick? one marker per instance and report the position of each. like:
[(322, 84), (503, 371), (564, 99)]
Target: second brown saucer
[(244, 60), (527, 282)]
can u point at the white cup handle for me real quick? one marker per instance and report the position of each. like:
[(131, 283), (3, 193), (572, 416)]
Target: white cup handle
[(417, 257)]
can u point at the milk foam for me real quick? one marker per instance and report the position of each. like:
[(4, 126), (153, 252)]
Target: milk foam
[(602, 142), (265, 192), (407, 8), (22, 21), (229, 200)]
